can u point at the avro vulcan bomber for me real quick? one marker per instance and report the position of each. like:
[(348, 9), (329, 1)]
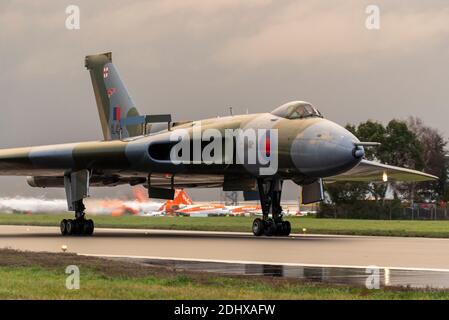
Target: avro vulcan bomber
[(251, 152)]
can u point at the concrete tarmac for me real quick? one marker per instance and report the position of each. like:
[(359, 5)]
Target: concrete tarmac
[(327, 250)]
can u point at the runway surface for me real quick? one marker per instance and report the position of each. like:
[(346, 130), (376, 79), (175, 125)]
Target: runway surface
[(328, 250)]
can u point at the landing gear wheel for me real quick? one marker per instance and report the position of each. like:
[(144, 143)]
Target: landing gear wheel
[(270, 190), (88, 227), (286, 228), (70, 227), (79, 225), (258, 227), (63, 227), (270, 228)]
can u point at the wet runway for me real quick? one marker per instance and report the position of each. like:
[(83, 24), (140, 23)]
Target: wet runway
[(354, 276), (320, 256)]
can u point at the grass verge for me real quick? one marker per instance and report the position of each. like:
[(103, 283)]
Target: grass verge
[(26, 275), (400, 228)]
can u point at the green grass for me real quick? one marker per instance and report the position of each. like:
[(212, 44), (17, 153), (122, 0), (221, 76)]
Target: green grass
[(42, 276), (435, 229)]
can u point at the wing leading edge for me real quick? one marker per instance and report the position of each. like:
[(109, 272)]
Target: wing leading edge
[(373, 171)]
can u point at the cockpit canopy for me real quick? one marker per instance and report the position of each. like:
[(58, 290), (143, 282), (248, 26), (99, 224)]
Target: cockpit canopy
[(296, 110)]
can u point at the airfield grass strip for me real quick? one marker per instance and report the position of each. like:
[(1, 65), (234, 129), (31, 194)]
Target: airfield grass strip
[(26, 275), (400, 228)]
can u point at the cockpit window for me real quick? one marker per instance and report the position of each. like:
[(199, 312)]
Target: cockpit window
[(296, 110)]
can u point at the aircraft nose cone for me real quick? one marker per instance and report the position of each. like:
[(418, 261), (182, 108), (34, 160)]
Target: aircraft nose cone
[(359, 152), (325, 149)]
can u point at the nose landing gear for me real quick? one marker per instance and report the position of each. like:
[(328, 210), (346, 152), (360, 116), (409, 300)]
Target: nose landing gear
[(79, 225), (270, 200), (270, 228)]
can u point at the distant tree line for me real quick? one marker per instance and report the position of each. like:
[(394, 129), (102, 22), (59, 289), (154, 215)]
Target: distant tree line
[(409, 144)]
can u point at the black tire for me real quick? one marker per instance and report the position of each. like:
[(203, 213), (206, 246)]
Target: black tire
[(63, 227), (286, 228), (270, 228), (280, 229), (84, 228), (88, 227), (91, 227), (71, 227), (79, 226), (258, 227)]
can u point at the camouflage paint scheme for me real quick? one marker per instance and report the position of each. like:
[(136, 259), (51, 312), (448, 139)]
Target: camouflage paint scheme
[(309, 148)]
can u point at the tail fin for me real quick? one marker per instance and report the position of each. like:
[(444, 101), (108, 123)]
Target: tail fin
[(113, 101), (181, 197)]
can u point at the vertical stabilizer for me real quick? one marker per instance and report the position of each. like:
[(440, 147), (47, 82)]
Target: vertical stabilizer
[(113, 100), (181, 197)]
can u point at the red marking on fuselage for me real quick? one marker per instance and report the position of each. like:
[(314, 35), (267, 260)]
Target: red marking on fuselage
[(111, 91), (267, 144), (117, 113)]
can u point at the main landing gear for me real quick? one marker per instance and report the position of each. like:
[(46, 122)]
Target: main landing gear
[(270, 200), (79, 225)]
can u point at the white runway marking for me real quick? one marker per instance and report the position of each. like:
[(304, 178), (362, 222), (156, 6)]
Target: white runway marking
[(260, 262)]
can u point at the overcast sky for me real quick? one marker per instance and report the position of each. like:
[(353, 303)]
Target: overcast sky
[(194, 59)]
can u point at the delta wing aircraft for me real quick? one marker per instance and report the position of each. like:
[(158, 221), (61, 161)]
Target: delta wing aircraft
[(252, 152)]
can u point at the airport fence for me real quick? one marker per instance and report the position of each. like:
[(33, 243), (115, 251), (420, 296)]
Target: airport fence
[(387, 210)]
